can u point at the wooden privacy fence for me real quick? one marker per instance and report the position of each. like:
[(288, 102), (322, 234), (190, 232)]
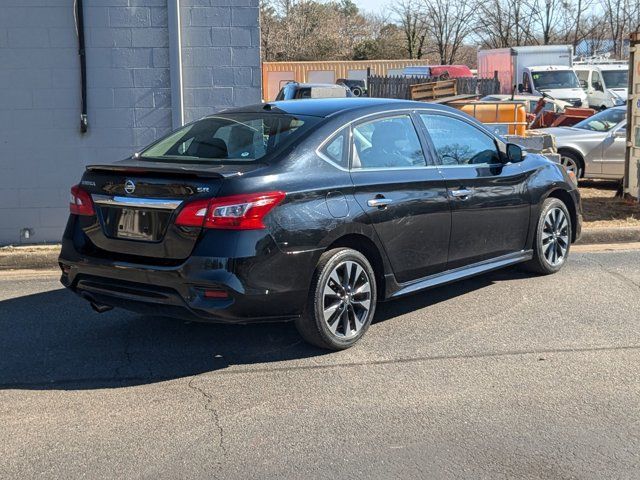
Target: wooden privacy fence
[(400, 87)]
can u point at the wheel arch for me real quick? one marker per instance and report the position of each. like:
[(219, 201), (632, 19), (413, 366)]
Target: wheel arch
[(577, 153), (370, 250)]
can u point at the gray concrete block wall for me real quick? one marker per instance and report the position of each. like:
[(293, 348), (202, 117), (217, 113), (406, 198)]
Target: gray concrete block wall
[(128, 90), (221, 55)]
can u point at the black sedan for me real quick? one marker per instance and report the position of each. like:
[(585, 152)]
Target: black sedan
[(312, 211)]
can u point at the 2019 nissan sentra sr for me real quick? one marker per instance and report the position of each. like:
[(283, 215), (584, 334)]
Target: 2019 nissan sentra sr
[(312, 211)]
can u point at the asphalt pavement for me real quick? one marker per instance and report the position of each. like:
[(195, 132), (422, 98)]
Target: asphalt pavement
[(506, 375)]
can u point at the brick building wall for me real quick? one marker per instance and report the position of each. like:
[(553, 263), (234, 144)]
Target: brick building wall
[(128, 91)]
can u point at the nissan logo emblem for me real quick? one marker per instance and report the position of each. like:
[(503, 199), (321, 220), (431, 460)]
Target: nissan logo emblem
[(129, 187)]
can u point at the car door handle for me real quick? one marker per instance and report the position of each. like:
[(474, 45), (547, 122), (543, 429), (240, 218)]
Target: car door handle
[(379, 202), (462, 193)]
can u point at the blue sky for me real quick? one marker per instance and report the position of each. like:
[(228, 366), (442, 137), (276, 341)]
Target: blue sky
[(375, 6)]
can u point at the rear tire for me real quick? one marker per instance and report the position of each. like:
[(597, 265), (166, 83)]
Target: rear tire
[(552, 241), (342, 300)]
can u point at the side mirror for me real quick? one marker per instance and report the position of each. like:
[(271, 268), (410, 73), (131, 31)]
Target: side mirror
[(520, 88), (515, 153), (583, 84), (598, 86), (620, 133)]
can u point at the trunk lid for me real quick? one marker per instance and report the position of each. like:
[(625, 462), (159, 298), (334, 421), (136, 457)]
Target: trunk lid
[(137, 202)]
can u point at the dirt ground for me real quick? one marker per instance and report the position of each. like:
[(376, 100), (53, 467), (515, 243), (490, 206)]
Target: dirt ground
[(34, 256), (602, 209)]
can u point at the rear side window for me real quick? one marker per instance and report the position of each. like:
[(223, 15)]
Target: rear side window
[(583, 76), (459, 143), (390, 142), (335, 149), (239, 137), (303, 93)]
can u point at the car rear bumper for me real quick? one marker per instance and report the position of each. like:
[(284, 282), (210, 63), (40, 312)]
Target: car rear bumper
[(269, 286)]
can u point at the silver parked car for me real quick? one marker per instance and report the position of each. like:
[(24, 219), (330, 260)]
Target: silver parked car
[(594, 147)]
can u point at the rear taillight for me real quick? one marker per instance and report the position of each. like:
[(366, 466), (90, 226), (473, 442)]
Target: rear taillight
[(80, 202), (237, 212), (192, 214)]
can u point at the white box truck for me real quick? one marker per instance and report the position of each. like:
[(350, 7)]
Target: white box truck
[(535, 70)]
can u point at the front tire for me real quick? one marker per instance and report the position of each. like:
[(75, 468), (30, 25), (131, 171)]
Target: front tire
[(553, 238), (342, 300)]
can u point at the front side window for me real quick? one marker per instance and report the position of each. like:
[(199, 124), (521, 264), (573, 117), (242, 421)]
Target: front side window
[(235, 137), (525, 83), (583, 76), (596, 81), (303, 93), (459, 143), (390, 142)]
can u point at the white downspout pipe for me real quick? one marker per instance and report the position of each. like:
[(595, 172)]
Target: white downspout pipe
[(175, 63)]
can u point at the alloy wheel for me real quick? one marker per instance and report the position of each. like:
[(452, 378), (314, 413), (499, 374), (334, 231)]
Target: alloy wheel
[(555, 236), (569, 164), (346, 299)]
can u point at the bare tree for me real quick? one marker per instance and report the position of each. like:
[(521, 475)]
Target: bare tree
[(449, 23), (622, 16), (448, 30), (595, 35), (502, 23), (322, 30), (547, 16), (413, 22), (579, 10)]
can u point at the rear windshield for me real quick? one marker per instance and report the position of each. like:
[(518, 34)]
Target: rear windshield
[(603, 121), (237, 137)]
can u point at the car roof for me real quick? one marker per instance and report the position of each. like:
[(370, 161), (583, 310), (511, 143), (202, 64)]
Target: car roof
[(602, 66), (313, 85), (550, 68), (325, 107), (507, 96)]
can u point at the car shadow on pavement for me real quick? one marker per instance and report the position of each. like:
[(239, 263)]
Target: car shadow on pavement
[(53, 340), (422, 299)]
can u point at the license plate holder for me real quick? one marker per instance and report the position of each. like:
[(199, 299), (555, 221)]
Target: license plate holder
[(134, 224)]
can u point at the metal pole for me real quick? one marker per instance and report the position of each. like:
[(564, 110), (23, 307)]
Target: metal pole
[(84, 124), (175, 63), (629, 139)]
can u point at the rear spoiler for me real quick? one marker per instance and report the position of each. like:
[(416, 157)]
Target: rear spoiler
[(138, 168)]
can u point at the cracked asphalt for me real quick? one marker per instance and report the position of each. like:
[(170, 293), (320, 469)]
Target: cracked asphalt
[(502, 376)]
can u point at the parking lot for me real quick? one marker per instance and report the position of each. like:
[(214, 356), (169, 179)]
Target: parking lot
[(503, 376)]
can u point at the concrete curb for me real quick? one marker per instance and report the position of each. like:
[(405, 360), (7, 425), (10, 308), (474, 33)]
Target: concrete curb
[(45, 257), (609, 235)]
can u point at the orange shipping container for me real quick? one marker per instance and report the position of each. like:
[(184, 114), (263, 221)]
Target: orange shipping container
[(277, 74)]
